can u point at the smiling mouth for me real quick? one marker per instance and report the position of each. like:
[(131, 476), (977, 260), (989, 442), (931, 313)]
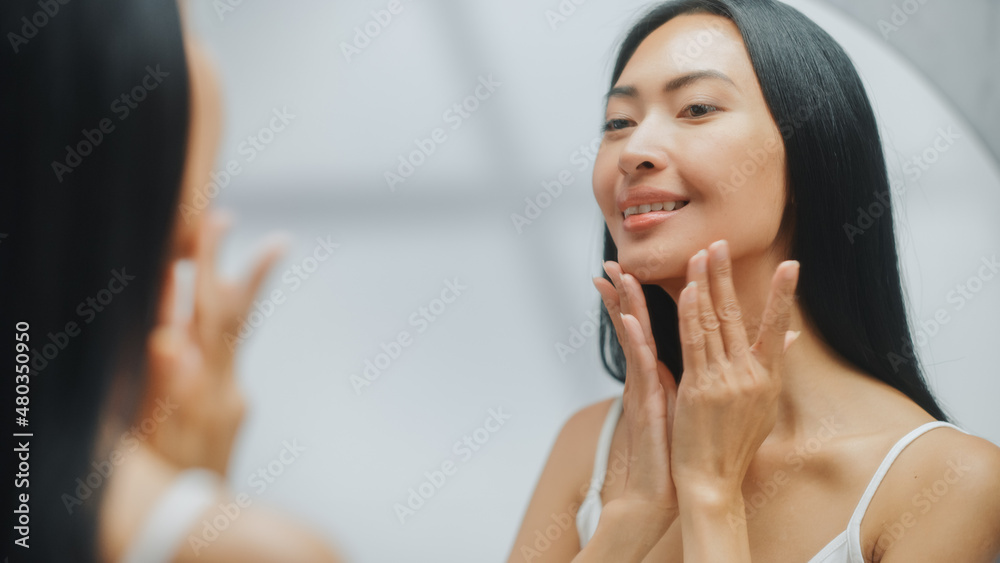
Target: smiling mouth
[(650, 207)]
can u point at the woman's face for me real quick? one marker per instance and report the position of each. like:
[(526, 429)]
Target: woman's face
[(687, 126)]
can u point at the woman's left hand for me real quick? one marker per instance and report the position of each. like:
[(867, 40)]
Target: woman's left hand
[(727, 397), (191, 360)]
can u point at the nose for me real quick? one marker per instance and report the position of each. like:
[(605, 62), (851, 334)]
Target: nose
[(644, 151)]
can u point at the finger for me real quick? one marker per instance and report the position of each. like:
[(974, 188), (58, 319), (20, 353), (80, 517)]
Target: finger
[(272, 252), (207, 249), (770, 344), (163, 349), (614, 271), (698, 272), (692, 338), (637, 300), (666, 378), (610, 298), (669, 385), (167, 314), (643, 361), (727, 305)]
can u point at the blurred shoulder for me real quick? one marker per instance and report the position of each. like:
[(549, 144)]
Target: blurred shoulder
[(252, 535)]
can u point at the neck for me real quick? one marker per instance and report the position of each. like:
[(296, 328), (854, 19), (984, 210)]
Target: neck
[(812, 373)]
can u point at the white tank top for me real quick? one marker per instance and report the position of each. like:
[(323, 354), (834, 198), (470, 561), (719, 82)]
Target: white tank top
[(176, 511), (845, 548)]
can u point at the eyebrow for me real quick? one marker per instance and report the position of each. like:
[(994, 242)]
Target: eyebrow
[(674, 84)]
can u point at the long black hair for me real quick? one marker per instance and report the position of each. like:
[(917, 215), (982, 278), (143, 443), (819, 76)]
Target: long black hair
[(94, 133), (849, 283)]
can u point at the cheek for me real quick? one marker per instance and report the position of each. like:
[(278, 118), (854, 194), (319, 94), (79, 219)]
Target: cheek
[(748, 192), (604, 179), (745, 179)]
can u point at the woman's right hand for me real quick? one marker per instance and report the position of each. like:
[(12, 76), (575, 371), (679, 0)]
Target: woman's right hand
[(647, 400)]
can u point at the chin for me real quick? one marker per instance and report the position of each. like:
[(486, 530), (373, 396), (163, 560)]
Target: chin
[(650, 266)]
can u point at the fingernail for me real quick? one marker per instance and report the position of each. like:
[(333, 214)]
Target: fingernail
[(790, 273), (692, 293), (722, 249), (700, 260)]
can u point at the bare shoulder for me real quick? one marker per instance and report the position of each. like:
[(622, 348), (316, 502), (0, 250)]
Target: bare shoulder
[(575, 447), (943, 487), (548, 532), (254, 535), (581, 430)]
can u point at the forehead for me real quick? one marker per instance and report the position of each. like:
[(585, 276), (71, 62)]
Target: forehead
[(690, 42)]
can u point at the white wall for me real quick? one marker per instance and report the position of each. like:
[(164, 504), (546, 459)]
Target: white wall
[(493, 347)]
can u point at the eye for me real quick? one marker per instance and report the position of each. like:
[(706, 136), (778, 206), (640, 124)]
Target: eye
[(700, 110), (615, 124)]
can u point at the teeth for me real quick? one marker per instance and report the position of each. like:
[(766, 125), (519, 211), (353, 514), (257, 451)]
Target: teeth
[(646, 208)]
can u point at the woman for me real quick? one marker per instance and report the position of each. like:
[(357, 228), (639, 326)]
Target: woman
[(110, 125), (765, 411)]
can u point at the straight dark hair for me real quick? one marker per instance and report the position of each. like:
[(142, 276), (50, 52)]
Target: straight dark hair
[(90, 188), (849, 283)]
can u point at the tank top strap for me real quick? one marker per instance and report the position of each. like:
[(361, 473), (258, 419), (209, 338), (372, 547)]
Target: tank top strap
[(897, 448), (604, 445), (162, 533)]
